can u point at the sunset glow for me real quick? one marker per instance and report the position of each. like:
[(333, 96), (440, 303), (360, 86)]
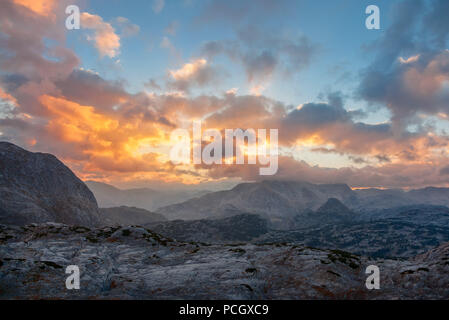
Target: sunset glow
[(105, 98)]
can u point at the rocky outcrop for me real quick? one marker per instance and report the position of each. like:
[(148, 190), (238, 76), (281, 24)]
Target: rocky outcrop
[(136, 263), (37, 187)]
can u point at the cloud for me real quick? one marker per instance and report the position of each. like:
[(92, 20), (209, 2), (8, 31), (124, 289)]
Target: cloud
[(410, 73), (264, 53), (409, 59), (410, 88), (172, 28), (152, 85), (330, 124), (106, 40), (188, 70), (389, 176), (260, 66), (437, 23), (158, 5), (4, 96), (101, 130), (29, 65), (84, 87), (41, 7), (127, 28), (238, 12), (167, 44), (444, 170), (195, 73)]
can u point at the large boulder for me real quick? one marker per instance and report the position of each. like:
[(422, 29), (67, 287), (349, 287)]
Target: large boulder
[(37, 187)]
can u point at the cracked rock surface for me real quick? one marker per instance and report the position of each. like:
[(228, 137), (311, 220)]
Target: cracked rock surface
[(136, 263)]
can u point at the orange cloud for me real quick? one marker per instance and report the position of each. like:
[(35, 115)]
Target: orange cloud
[(106, 40), (6, 96), (104, 132), (111, 145), (76, 123), (42, 7)]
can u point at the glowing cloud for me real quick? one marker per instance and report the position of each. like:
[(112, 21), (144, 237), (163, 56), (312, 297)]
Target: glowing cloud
[(106, 40), (42, 7), (188, 70)]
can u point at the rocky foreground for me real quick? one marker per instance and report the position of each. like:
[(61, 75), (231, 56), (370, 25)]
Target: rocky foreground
[(136, 263)]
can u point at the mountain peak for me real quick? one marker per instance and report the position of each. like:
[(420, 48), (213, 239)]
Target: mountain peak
[(333, 205)]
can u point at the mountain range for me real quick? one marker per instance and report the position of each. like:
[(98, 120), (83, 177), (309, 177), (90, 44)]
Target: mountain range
[(269, 239), (293, 204), (146, 198)]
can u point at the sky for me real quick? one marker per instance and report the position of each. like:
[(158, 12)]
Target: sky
[(352, 105)]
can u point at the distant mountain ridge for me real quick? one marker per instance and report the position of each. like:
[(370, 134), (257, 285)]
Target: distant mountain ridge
[(292, 203), (146, 198), (37, 187), (123, 216), (277, 201), (371, 199)]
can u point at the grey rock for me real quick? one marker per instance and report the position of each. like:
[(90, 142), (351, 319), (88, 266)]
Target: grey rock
[(136, 263), (37, 187)]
